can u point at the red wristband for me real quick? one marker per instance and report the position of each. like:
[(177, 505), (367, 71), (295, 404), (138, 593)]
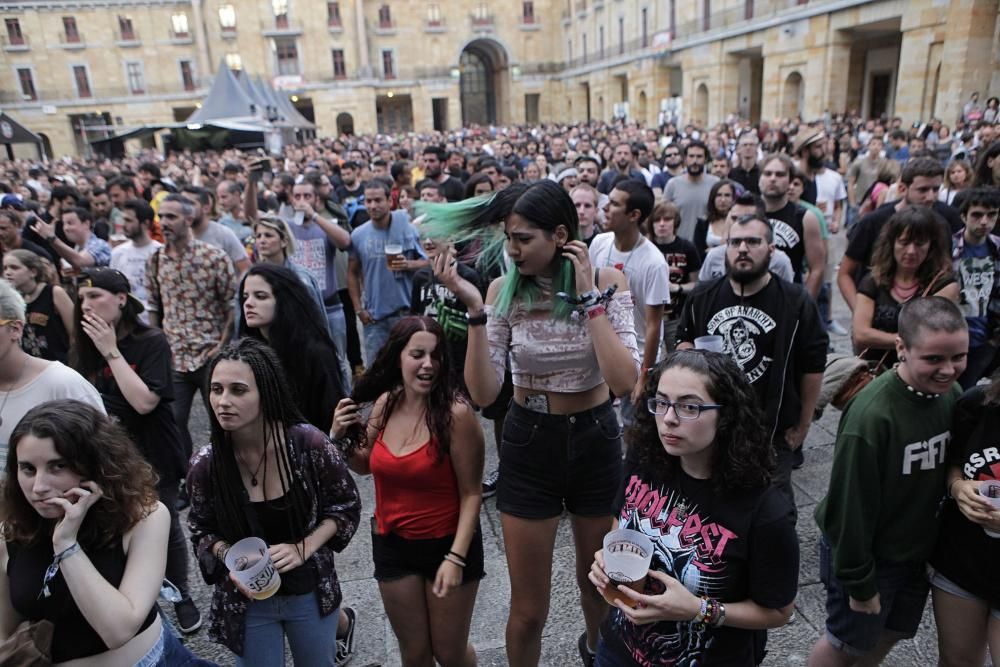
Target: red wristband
[(596, 311)]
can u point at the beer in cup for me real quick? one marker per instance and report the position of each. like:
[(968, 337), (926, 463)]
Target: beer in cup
[(250, 561), (627, 555), (709, 343), (990, 490), (393, 252)]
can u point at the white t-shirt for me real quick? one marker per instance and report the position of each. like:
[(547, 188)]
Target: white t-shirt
[(829, 190), (131, 260), (646, 270), (56, 381)]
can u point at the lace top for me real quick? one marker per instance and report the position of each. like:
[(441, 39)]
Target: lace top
[(555, 355)]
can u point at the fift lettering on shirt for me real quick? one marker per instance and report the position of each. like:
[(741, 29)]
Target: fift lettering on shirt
[(927, 455), (979, 459)]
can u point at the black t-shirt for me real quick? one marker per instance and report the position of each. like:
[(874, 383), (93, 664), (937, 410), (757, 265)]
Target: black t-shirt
[(747, 329), (789, 235), (886, 314), (728, 546), (682, 258), (155, 434), (749, 179), (453, 189), (864, 234), (964, 553)]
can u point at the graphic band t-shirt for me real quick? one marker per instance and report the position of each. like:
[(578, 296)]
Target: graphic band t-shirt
[(682, 258), (976, 274), (731, 547), (789, 235), (747, 328), (963, 549)]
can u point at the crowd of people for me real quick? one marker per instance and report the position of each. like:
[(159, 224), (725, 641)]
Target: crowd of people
[(643, 313)]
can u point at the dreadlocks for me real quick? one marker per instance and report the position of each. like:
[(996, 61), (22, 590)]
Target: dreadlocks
[(278, 413)]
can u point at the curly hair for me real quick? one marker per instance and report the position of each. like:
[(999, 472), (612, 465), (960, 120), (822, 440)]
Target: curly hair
[(743, 458), (96, 449), (914, 224), (385, 377)]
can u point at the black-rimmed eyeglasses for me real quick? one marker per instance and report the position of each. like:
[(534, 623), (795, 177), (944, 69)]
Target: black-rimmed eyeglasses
[(660, 406)]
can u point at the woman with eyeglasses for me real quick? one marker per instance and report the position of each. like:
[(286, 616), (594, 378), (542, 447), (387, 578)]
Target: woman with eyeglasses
[(697, 483)]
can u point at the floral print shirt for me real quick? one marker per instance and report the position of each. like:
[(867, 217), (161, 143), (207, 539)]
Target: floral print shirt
[(193, 294), (321, 470)]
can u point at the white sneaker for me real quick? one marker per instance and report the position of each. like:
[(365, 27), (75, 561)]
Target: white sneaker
[(837, 329)]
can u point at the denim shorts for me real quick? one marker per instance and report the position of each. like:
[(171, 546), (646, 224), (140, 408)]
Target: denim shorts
[(549, 463), (902, 589), (943, 583), (397, 557)]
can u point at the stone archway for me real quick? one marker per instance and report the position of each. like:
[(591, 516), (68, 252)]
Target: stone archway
[(345, 123), (642, 108), (484, 82), (699, 114), (793, 96)]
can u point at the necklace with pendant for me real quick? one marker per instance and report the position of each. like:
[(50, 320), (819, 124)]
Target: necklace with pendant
[(253, 475)]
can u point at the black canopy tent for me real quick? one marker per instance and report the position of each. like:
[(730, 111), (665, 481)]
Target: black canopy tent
[(12, 132)]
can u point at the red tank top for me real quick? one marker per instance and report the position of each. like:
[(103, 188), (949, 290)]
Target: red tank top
[(416, 496)]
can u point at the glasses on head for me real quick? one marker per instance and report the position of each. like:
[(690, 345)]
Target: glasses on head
[(659, 407), (751, 241)]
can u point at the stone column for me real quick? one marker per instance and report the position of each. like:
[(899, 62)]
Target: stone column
[(912, 75), (967, 60), (364, 61), (204, 59)]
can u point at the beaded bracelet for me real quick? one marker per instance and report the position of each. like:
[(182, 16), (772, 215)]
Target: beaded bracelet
[(53, 568)]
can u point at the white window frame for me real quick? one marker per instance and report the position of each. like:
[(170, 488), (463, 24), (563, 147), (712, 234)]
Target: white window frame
[(173, 24), (194, 72), (34, 81), (298, 56), (235, 57), (142, 76), (90, 80), (228, 7)]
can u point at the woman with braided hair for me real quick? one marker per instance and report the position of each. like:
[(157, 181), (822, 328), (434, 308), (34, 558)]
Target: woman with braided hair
[(568, 332), (268, 474)]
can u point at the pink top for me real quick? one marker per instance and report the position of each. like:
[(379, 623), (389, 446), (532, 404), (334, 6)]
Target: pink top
[(554, 355)]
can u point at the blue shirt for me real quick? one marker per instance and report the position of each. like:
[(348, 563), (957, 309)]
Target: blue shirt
[(385, 291), (976, 274), (315, 253)]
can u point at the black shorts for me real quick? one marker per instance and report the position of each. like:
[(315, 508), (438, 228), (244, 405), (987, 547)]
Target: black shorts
[(397, 557), (549, 463)]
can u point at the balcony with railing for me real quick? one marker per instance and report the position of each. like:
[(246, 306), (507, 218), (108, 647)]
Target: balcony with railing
[(13, 44), (744, 15), (128, 38), (281, 26), (435, 25), (175, 37), (73, 40), (93, 94)]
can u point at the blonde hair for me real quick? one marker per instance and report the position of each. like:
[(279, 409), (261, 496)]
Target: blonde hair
[(278, 225)]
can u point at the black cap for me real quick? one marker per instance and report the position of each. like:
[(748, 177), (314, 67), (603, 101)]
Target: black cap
[(112, 280)]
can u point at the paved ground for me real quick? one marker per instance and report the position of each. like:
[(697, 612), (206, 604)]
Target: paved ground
[(790, 645)]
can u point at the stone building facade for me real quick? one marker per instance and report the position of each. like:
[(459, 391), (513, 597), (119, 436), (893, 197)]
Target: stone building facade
[(392, 66)]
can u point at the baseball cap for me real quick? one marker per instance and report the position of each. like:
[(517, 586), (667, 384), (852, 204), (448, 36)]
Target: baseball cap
[(12, 201), (112, 280)]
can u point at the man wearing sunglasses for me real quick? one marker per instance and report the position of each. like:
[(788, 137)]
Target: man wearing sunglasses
[(771, 328)]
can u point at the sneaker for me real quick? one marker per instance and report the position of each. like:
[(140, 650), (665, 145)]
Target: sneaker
[(490, 483), (345, 644), (585, 655), (836, 328), (188, 616)]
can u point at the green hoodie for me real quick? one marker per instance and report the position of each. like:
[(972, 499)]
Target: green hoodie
[(887, 480)]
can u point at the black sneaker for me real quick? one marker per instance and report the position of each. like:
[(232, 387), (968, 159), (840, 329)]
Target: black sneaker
[(490, 483), (345, 644), (188, 616), (585, 655)]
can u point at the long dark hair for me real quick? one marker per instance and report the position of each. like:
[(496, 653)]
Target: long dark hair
[(385, 377), (984, 173), (915, 224), (84, 356), (298, 330), (712, 212), (94, 448), (743, 456), (278, 413)]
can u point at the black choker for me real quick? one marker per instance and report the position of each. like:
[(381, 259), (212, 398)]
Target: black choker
[(921, 394)]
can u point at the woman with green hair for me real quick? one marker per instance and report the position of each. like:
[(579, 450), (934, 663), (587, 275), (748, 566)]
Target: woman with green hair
[(568, 332)]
